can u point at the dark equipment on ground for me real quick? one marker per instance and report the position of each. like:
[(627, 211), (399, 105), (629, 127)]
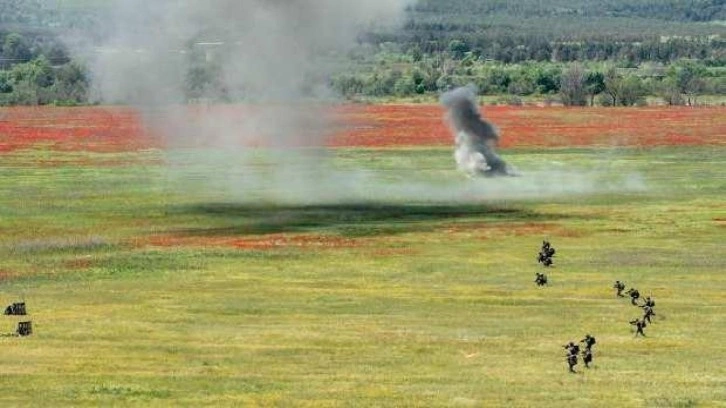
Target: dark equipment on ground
[(620, 287), (541, 279), (546, 254), (25, 328), (16, 309), (639, 326), (634, 296)]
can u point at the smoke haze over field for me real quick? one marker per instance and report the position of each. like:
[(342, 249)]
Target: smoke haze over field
[(274, 55), (266, 49)]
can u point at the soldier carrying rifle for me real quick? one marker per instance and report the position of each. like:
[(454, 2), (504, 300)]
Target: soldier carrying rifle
[(541, 279), (647, 313), (634, 296), (572, 351), (639, 326), (546, 254)]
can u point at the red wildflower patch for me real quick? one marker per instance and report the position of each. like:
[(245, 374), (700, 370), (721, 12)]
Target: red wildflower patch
[(95, 129), (415, 125), (120, 129)]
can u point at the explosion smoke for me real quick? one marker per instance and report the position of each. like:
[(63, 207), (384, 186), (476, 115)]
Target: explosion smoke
[(475, 137)]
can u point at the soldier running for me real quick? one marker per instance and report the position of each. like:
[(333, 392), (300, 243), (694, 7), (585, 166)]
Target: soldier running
[(649, 302), (620, 286), (589, 341), (639, 326), (587, 357), (648, 313), (541, 279), (546, 254), (634, 296), (572, 351)]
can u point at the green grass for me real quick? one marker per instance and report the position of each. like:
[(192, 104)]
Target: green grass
[(423, 304)]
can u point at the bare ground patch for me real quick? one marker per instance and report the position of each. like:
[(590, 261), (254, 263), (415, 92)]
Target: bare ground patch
[(264, 242)]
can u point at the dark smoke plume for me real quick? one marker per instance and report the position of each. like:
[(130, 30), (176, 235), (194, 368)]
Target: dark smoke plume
[(475, 137)]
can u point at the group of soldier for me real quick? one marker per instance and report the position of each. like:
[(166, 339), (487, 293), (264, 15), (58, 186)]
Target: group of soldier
[(546, 254), (648, 307), (18, 309), (545, 258), (573, 350)]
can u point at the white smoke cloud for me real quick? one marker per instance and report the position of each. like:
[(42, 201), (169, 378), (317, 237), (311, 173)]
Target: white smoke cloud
[(267, 49), (274, 55)]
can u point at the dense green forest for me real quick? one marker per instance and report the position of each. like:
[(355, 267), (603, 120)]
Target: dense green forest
[(610, 52)]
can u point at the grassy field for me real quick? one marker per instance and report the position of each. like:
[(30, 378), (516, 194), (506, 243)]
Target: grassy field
[(143, 292)]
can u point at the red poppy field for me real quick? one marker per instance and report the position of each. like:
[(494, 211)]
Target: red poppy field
[(120, 129)]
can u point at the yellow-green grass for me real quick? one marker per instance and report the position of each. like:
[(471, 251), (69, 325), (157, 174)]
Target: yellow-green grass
[(402, 304)]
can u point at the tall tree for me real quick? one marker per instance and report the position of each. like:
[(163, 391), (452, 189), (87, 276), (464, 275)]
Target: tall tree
[(572, 86), (594, 85), (689, 79)]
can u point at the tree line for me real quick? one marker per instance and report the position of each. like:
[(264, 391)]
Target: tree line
[(573, 84), (38, 71), (614, 52)]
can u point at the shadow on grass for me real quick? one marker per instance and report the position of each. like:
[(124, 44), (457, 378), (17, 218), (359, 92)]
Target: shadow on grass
[(346, 219)]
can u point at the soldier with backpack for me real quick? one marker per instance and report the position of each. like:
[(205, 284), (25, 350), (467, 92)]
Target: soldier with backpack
[(541, 279), (589, 341), (649, 302), (639, 326), (572, 351), (587, 357), (648, 313), (546, 254), (634, 296)]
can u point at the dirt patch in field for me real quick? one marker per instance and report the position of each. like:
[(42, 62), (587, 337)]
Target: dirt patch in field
[(271, 241), (80, 263), (97, 162), (395, 252), (487, 230), (380, 246), (6, 275), (721, 222)]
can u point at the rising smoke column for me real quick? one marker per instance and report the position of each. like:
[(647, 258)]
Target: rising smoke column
[(475, 137)]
